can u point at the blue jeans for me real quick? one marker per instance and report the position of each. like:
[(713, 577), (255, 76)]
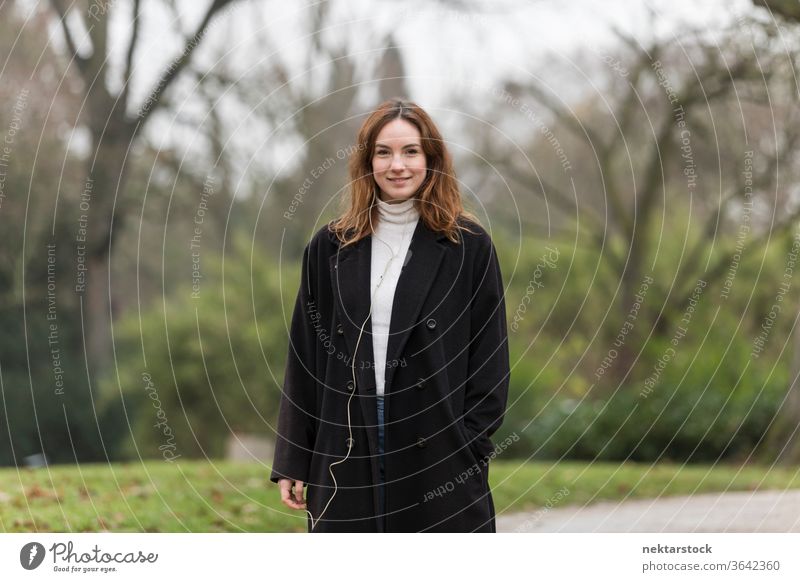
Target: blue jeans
[(382, 484)]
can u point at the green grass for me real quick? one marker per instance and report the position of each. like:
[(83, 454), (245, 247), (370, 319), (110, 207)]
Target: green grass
[(527, 486), (202, 496)]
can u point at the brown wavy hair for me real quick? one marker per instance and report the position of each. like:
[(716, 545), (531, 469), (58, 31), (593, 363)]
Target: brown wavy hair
[(438, 199)]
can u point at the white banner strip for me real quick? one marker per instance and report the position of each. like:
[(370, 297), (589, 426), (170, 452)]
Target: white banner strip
[(389, 557)]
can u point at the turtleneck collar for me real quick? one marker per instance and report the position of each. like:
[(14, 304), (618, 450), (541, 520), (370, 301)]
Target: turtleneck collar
[(398, 212)]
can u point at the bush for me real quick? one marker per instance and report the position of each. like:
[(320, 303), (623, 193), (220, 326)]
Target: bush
[(702, 408), (214, 362)]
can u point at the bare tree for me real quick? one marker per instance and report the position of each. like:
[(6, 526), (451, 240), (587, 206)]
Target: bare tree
[(114, 123), (636, 147)]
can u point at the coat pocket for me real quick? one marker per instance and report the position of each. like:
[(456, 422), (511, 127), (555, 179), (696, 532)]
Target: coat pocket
[(480, 448)]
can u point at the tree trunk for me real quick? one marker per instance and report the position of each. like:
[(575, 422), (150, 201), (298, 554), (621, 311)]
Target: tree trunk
[(106, 185), (619, 371)]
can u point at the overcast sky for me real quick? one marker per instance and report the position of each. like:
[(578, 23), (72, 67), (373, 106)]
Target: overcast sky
[(441, 46), (502, 40)]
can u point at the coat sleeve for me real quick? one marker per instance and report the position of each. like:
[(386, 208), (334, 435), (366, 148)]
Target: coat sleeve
[(486, 391), (297, 424)]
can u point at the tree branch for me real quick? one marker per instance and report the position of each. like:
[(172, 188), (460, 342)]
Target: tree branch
[(563, 202), (70, 42), (126, 80), (724, 262), (724, 79), (557, 196), (762, 180), (569, 120), (789, 9), (177, 65), (98, 33)]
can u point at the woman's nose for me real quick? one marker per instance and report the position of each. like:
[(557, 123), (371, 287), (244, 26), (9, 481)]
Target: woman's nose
[(397, 162)]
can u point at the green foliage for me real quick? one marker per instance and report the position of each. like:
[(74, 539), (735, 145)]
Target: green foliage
[(221, 369), (708, 400), (37, 416), (200, 367)]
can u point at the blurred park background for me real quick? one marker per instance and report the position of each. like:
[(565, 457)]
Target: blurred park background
[(164, 163)]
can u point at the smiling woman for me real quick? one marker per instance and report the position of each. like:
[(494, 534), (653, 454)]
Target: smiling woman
[(399, 162), (412, 379)]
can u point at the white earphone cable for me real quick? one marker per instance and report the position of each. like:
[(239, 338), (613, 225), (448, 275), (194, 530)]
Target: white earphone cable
[(353, 366)]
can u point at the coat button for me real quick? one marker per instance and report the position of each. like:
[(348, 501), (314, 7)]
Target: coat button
[(431, 323), (421, 442), (350, 386), (339, 329), (421, 383), (349, 442)]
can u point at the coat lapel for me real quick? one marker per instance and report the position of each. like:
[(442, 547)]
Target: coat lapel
[(350, 277), (422, 263)]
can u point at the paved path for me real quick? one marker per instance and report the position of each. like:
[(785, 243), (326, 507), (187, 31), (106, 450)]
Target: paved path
[(767, 511)]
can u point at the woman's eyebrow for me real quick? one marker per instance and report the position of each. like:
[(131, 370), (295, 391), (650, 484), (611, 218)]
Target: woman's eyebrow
[(410, 145)]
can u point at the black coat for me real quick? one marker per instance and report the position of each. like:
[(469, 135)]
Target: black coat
[(446, 386)]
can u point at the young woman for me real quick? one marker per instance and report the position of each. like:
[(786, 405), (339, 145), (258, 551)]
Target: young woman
[(398, 366)]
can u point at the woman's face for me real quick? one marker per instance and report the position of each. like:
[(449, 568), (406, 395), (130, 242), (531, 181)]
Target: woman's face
[(398, 164)]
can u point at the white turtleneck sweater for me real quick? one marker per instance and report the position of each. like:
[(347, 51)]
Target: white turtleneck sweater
[(396, 224)]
